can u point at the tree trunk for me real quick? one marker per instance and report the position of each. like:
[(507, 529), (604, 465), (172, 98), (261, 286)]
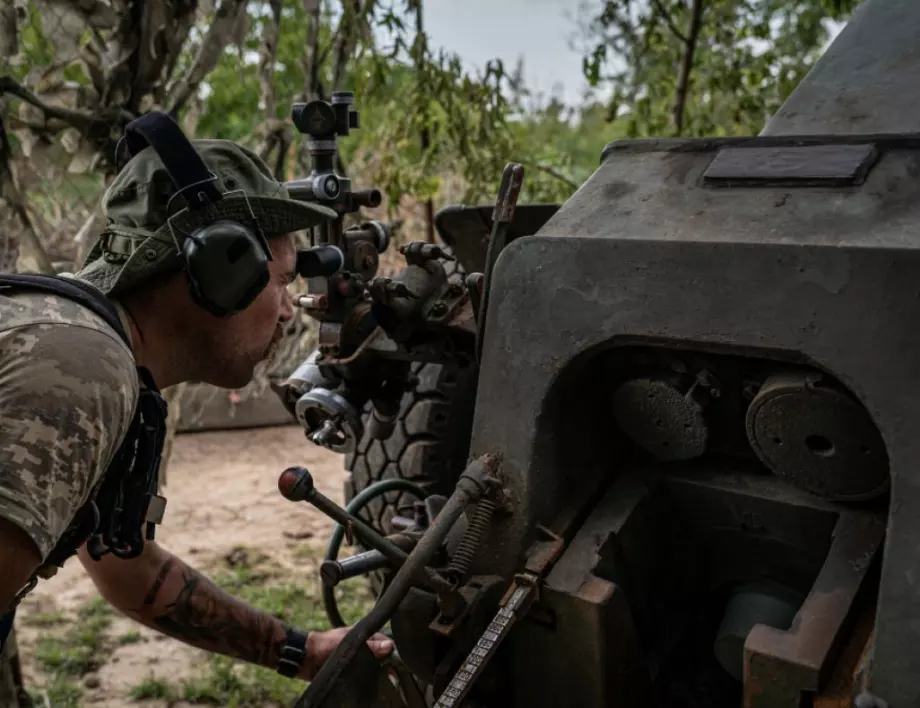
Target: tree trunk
[(12, 250), (420, 43), (9, 31), (686, 67)]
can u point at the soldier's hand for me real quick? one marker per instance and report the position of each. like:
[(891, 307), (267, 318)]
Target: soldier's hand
[(320, 646)]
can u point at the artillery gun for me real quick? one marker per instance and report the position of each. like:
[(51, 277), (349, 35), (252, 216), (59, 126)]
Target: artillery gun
[(690, 475)]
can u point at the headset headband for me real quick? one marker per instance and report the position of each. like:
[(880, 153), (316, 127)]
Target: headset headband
[(194, 182)]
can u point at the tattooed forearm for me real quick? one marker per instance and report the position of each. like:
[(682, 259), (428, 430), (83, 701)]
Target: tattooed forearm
[(187, 606)]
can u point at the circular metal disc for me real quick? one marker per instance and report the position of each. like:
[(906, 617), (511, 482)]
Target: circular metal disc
[(364, 259), (320, 405), (661, 419), (818, 438)]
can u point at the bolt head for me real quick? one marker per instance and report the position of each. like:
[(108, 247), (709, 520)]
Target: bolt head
[(329, 573)]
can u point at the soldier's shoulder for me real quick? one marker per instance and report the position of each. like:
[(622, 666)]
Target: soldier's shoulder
[(67, 344), (32, 307), (69, 388)]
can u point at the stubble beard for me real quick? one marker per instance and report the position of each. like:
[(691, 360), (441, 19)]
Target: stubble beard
[(273, 345)]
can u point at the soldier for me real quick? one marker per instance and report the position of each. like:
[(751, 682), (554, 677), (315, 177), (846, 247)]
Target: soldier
[(70, 384)]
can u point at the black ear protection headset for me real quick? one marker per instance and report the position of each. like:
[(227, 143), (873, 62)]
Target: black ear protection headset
[(226, 261)]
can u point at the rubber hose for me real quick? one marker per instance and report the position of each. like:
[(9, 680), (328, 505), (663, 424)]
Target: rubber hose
[(338, 533)]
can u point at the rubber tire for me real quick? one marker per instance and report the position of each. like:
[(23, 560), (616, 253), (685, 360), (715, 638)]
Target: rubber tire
[(430, 444)]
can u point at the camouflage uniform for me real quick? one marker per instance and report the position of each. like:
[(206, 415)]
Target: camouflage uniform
[(68, 382)]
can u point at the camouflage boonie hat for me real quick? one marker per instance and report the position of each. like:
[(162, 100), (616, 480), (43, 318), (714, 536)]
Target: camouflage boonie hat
[(138, 243)]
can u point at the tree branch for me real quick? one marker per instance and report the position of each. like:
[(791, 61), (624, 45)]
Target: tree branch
[(311, 57), (272, 128), (84, 122), (96, 14), (284, 144), (9, 29), (551, 172), (311, 62), (347, 33), (666, 16), (185, 20), (216, 38), (419, 49), (686, 67), (346, 29), (12, 195), (268, 51)]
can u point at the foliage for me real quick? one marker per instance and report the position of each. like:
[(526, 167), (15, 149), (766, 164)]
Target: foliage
[(744, 58), (69, 648), (430, 129), (79, 650), (403, 89)]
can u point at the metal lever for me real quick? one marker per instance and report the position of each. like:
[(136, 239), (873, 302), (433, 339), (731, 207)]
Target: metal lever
[(502, 216), (334, 572), (296, 484)]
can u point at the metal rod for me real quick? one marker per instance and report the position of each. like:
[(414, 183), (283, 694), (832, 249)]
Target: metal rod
[(296, 484), (502, 216), (334, 572)]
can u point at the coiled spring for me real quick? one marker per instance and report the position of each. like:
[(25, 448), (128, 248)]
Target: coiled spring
[(466, 550)]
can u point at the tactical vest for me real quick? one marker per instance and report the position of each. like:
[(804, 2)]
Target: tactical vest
[(125, 498)]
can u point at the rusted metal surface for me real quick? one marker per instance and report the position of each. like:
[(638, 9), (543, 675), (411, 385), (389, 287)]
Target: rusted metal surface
[(463, 314), (544, 551), (584, 655), (781, 665), (508, 192), (619, 504), (844, 681), (521, 599), (450, 619)]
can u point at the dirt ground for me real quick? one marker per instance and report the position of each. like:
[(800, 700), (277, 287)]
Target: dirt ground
[(224, 514)]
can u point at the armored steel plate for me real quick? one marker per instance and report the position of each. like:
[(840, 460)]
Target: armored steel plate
[(818, 438)]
